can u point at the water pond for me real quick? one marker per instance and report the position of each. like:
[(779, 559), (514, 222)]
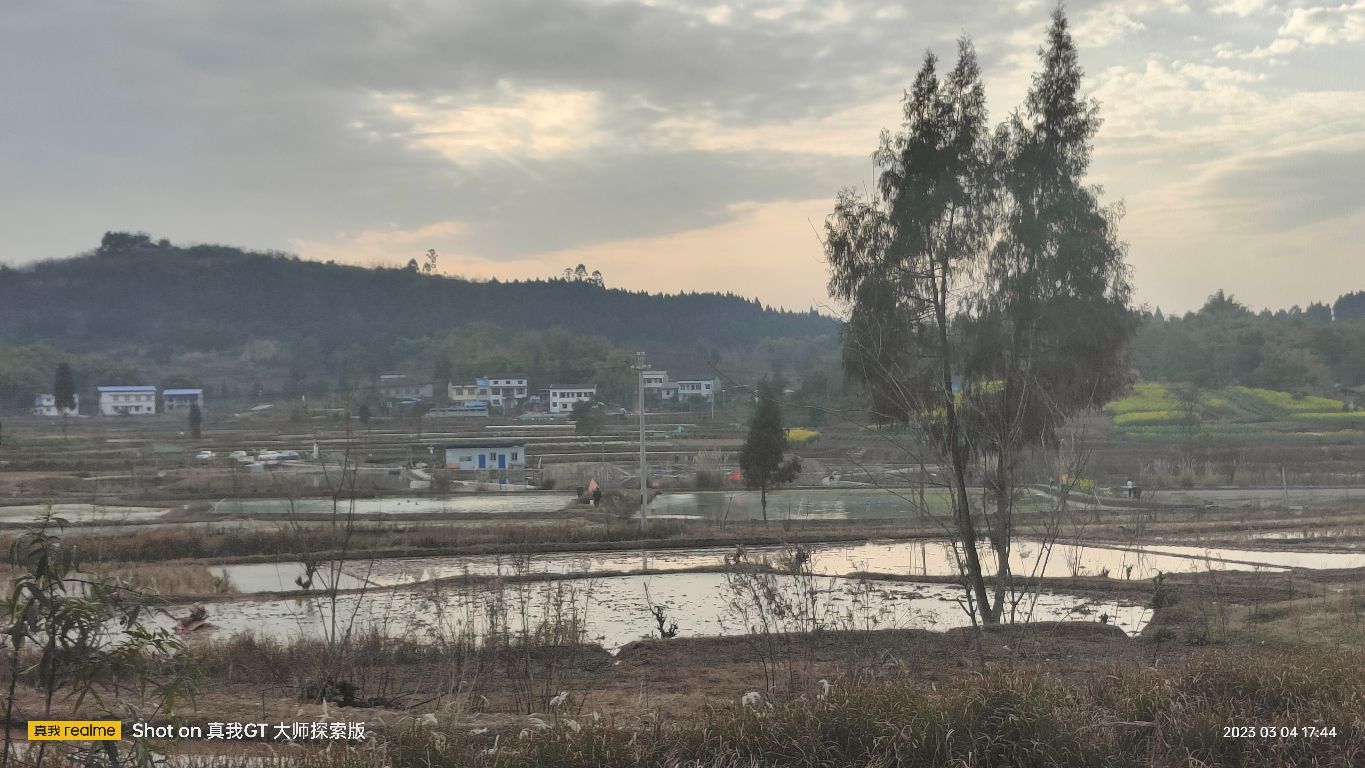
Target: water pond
[(616, 610)]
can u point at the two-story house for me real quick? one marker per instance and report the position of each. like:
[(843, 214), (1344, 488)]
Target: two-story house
[(562, 398), (127, 401)]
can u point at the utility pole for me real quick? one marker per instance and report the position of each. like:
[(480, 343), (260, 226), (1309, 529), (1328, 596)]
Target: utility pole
[(644, 466)]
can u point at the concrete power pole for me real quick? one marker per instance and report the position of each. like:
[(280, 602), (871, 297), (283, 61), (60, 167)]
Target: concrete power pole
[(644, 466)]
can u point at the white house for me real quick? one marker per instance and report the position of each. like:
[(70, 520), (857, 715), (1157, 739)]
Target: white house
[(655, 382), (486, 454), (127, 401), (506, 388), (180, 400), (46, 405), (563, 398), (706, 388)]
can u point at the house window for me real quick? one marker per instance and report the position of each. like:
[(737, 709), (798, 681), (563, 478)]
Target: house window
[(514, 455)]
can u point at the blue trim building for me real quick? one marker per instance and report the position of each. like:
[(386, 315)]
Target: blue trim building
[(486, 454)]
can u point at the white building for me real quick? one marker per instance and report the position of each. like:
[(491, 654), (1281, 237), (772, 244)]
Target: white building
[(705, 388), (507, 389), (46, 405), (180, 400), (487, 454), (127, 401), (563, 398)]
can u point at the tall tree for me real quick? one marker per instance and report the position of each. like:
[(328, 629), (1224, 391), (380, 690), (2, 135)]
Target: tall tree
[(588, 417), (903, 260), (763, 459), (988, 292), (1046, 336), (64, 392), (196, 420)]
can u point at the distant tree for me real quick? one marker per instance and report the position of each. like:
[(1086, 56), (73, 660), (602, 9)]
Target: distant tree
[(64, 392), (429, 265), (1349, 306), (440, 372), (122, 241), (580, 273), (596, 279), (589, 417), (763, 459), (365, 414), (1318, 313), (412, 265), (196, 420)]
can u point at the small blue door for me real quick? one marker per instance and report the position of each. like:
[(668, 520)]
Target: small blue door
[(502, 461), (483, 461)]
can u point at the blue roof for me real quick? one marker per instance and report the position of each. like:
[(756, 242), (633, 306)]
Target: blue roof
[(182, 392), (127, 389), (481, 382)]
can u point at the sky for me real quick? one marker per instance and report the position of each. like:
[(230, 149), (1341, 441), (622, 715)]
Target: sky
[(671, 145)]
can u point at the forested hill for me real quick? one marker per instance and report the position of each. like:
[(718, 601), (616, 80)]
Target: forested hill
[(133, 291)]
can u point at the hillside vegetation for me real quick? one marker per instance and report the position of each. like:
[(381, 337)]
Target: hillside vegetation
[(1163, 410), (133, 292)]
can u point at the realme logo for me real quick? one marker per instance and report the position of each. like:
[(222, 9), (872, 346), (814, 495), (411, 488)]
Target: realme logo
[(75, 730)]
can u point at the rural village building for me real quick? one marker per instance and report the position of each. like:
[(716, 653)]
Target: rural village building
[(127, 401), (486, 454), (46, 405), (180, 400), (562, 399), (397, 386), (703, 387)]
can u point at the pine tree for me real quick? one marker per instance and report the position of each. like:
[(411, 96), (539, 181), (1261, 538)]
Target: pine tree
[(763, 459), (64, 392)]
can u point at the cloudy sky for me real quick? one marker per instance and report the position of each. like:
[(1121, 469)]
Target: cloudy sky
[(673, 145)]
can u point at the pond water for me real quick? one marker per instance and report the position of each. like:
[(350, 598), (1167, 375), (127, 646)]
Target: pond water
[(616, 610), (805, 504), (896, 558), (81, 513), (279, 577), (500, 503)]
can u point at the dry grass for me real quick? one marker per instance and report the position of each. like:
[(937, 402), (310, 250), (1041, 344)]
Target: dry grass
[(1128, 718)]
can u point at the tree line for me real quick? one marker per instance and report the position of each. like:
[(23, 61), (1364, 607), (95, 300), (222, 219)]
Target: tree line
[(1225, 343), (136, 292)]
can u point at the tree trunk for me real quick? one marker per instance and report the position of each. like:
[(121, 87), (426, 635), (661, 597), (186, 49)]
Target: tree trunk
[(763, 501), (966, 529)]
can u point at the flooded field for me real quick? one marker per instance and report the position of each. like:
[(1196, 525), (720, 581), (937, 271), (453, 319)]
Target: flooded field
[(616, 610), (809, 504), (893, 558), (25, 514), (498, 503)]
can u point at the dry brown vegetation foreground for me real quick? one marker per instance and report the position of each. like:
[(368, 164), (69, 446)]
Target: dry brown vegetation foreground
[(1303, 709), (1060, 694)]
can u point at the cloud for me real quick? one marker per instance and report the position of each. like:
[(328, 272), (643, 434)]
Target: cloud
[(500, 131), (1326, 25), (1314, 26), (513, 122), (1242, 8)]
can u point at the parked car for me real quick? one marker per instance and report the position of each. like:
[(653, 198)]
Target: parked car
[(204, 455)]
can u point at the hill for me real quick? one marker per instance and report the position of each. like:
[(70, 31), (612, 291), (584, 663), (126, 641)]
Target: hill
[(133, 292)]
